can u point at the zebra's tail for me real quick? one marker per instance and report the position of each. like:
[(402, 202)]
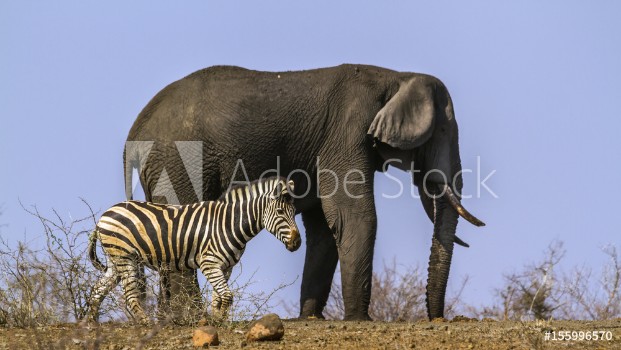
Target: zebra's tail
[(92, 252)]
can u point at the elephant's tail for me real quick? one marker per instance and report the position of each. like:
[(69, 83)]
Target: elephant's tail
[(128, 167), (92, 251)]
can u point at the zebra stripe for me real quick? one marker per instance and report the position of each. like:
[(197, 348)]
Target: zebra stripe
[(210, 236)]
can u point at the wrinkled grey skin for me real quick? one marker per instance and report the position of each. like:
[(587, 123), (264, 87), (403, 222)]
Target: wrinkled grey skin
[(339, 118)]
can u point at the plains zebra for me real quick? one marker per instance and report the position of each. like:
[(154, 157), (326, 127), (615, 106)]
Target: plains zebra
[(210, 236)]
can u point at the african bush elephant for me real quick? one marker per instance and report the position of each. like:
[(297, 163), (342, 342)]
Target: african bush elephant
[(337, 125)]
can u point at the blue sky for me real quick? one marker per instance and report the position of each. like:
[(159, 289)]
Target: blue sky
[(535, 87)]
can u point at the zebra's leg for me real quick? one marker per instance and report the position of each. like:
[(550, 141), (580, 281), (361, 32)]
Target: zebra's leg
[(216, 277), (128, 270), (102, 287), (142, 283), (216, 299)]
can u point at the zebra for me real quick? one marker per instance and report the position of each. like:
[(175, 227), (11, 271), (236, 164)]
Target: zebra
[(210, 236)]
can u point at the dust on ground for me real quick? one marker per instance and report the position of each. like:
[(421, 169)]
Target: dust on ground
[(317, 334)]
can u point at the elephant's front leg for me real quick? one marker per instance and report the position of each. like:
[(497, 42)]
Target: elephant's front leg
[(355, 246), (319, 265), (351, 216)]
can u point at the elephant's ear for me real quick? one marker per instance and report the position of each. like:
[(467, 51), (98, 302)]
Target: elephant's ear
[(407, 119)]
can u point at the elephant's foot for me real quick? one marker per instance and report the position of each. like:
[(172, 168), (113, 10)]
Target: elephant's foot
[(358, 317), (311, 311)]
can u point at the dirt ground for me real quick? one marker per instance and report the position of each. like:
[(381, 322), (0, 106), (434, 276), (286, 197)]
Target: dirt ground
[(316, 334)]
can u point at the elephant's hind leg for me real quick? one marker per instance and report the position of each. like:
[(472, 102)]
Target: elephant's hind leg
[(320, 264)]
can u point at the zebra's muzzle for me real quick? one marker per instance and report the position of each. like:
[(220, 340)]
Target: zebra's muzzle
[(294, 241)]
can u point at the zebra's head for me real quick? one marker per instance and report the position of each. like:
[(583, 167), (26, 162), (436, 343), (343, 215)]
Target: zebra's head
[(279, 215)]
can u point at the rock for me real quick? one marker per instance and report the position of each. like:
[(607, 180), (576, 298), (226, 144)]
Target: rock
[(268, 327), (205, 336)]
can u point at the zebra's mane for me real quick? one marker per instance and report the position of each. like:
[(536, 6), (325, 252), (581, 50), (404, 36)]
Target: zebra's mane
[(225, 195)]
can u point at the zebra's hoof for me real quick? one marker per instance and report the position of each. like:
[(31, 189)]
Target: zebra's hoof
[(144, 322), (89, 322)]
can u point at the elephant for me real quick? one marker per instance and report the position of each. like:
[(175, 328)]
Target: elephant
[(329, 130)]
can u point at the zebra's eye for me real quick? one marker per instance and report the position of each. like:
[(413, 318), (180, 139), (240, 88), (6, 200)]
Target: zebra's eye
[(279, 211)]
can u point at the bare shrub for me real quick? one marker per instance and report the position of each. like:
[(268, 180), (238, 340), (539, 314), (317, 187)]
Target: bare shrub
[(25, 291), (539, 291), (248, 304), (533, 293), (49, 284), (594, 298)]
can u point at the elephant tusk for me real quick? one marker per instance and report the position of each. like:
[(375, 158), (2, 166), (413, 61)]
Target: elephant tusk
[(460, 242), (454, 201)]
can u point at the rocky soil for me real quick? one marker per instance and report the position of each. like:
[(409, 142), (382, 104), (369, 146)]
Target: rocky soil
[(315, 334)]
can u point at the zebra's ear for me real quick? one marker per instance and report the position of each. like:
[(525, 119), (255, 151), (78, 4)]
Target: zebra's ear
[(291, 185), (282, 189), (279, 190)]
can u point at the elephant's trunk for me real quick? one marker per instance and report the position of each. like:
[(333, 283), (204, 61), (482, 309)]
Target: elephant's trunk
[(445, 224), (444, 210)]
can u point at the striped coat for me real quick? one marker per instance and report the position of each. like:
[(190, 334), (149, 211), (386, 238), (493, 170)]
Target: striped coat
[(210, 236)]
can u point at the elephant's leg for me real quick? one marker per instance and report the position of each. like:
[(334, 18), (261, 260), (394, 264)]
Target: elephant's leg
[(351, 215), (165, 179), (319, 265), (163, 300), (185, 301)]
